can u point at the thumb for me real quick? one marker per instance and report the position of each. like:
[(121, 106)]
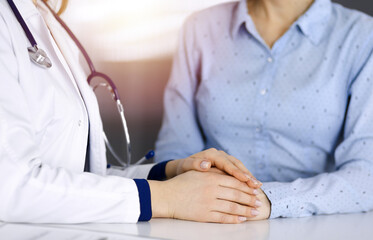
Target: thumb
[(205, 165), (196, 164)]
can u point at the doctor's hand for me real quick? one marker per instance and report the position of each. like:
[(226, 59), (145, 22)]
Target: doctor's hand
[(204, 197), (212, 160)]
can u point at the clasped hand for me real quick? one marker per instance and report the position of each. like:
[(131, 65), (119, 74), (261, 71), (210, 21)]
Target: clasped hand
[(210, 186)]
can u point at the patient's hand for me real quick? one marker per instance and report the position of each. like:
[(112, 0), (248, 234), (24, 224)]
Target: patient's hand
[(214, 161), (264, 209), (204, 197)]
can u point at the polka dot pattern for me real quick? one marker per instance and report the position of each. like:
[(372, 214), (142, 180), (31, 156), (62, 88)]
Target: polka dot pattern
[(282, 111)]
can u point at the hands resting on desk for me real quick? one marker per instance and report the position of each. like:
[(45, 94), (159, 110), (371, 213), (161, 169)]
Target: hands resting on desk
[(210, 186)]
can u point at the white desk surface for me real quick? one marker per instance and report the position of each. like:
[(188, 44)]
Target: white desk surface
[(351, 227)]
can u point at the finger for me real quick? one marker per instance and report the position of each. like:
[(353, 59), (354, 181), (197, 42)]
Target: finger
[(216, 170), (220, 160), (239, 164), (205, 160), (238, 196), (218, 217), (231, 182), (233, 208), (253, 182), (196, 163)]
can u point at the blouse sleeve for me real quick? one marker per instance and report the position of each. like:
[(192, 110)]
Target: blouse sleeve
[(349, 188), (180, 135)]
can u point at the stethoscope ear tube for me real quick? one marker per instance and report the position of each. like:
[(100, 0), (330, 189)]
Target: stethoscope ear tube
[(112, 151), (125, 131), (109, 86)]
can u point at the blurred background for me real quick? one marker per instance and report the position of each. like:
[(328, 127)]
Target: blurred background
[(133, 42)]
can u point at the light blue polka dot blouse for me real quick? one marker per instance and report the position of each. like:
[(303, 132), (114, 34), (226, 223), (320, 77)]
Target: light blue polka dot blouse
[(299, 115)]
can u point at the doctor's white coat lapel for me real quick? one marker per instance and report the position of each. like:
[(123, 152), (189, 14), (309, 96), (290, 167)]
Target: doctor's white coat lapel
[(97, 151)]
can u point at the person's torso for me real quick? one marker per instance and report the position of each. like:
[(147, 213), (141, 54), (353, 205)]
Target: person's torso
[(58, 112), (280, 111)]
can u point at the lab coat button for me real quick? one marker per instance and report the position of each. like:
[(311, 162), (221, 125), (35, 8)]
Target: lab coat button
[(80, 123)]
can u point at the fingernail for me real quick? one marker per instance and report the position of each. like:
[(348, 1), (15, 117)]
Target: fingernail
[(254, 212), (242, 219), (258, 203), (248, 176), (205, 165), (256, 182), (255, 192)]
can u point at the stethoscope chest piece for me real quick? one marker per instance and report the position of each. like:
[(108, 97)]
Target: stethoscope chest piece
[(39, 57)]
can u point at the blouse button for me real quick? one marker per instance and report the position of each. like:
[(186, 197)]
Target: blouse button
[(261, 165), (258, 129)]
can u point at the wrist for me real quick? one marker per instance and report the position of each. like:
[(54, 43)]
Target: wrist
[(160, 199), (171, 168)]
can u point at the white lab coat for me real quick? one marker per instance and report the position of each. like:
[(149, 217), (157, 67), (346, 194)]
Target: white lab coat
[(45, 116)]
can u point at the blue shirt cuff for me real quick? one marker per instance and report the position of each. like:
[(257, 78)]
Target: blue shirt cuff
[(145, 199), (158, 171)]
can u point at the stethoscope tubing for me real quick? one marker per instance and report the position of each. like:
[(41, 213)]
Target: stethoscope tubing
[(113, 89), (27, 31)]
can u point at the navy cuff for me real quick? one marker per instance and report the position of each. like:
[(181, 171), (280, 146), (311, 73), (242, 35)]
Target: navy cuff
[(145, 199), (158, 171)]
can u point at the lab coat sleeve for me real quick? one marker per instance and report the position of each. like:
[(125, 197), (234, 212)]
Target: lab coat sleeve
[(140, 171), (349, 188), (149, 171), (180, 135), (32, 191)]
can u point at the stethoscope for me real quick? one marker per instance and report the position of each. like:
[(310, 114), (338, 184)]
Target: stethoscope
[(40, 58)]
